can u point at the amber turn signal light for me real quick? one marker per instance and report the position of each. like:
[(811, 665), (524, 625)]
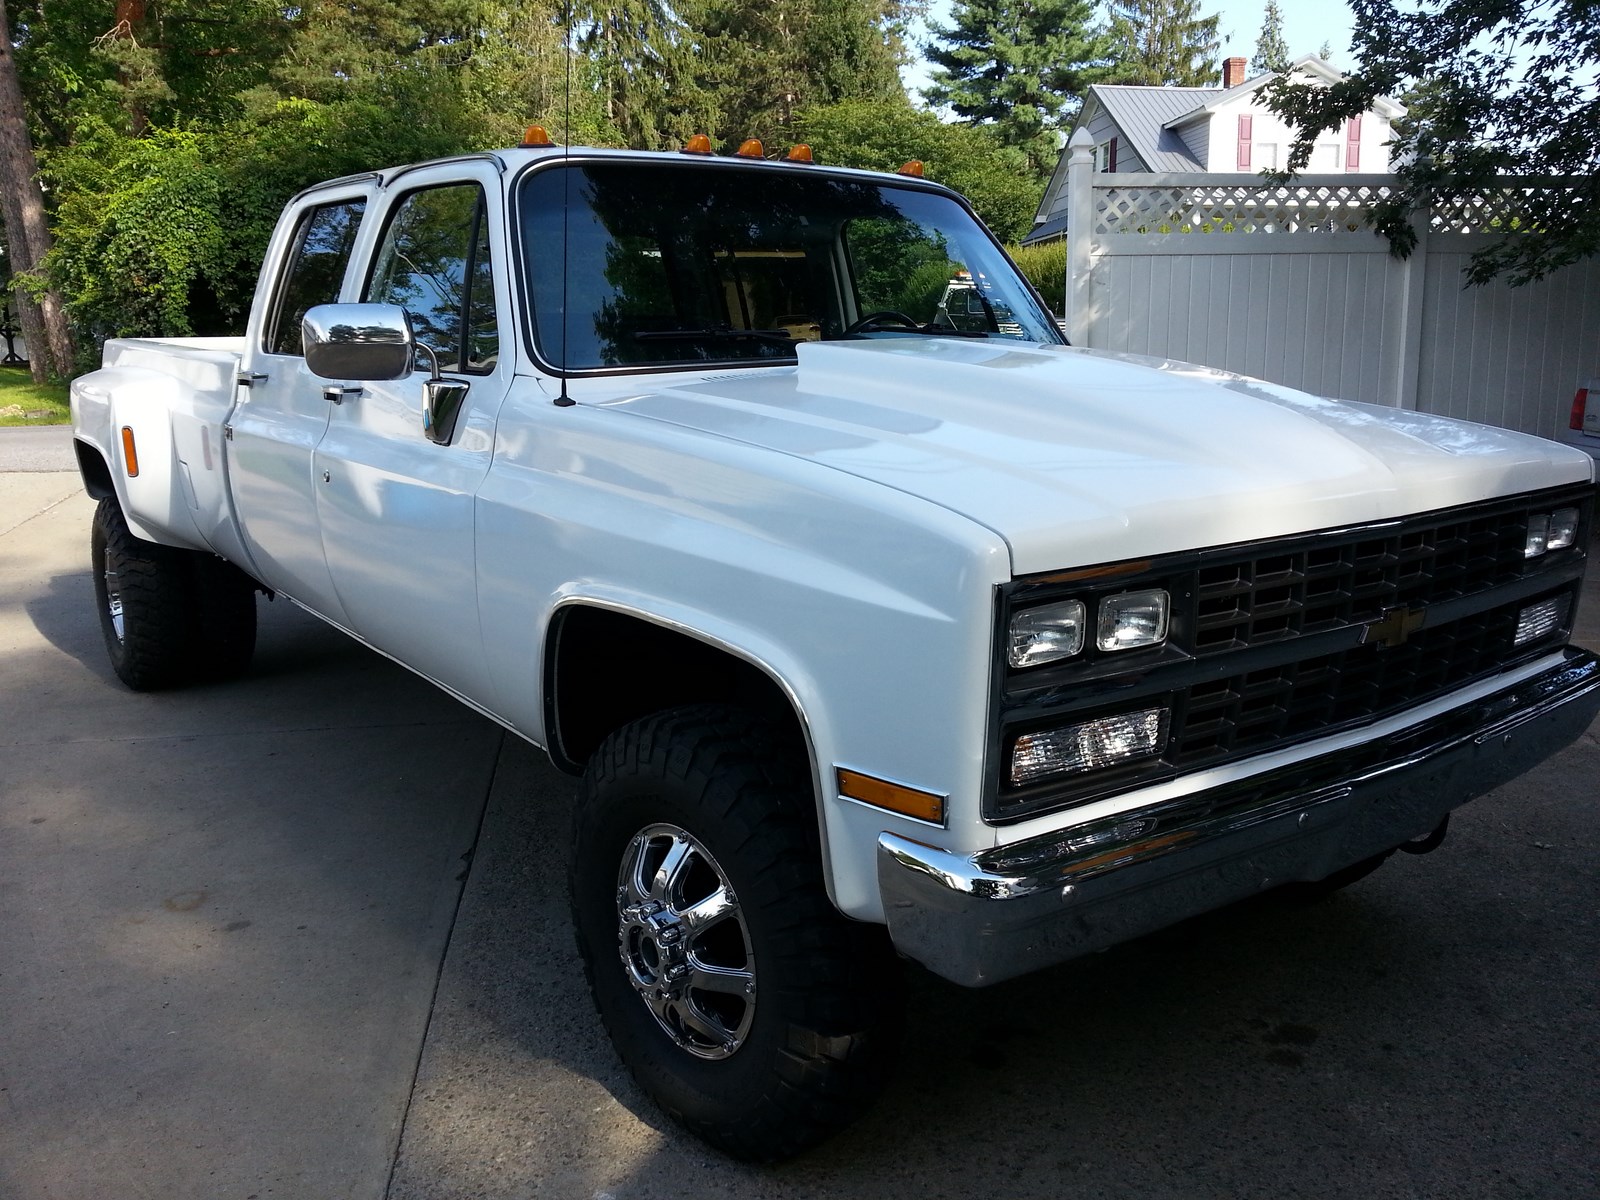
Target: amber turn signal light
[(751, 148), (897, 798), (800, 154), (130, 455), (534, 136), (698, 144), (914, 167)]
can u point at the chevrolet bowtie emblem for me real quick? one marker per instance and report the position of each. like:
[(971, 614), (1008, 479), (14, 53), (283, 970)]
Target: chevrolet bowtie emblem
[(1394, 627)]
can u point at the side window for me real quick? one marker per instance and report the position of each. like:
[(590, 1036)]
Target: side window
[(318, 256), (434, 263)]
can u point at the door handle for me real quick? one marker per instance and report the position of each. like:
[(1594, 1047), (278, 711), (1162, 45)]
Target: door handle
[(338, 393), (249, 378)]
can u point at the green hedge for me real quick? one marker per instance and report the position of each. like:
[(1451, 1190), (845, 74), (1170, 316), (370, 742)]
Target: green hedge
[(1046, 267)]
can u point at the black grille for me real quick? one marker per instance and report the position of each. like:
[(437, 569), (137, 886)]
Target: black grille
[(1252, 711), (1281, 642), (1268, 597)]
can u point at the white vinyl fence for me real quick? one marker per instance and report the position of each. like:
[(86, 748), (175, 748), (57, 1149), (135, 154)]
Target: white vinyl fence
[(1286, 284)]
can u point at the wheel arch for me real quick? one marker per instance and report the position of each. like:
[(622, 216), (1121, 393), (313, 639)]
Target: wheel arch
[(606, 664)]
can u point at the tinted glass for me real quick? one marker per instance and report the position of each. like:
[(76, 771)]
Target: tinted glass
[(321, 251), (670, 264), (434, 263)]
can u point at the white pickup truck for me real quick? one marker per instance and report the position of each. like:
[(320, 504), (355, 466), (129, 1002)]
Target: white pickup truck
[(867, 633)]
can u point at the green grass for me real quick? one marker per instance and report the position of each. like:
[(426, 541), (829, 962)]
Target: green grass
[(23, 402)]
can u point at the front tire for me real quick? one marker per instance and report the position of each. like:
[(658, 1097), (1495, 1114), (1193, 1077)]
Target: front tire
[(747, 1007)]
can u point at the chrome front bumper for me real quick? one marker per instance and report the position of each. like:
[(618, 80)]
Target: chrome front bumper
[(1014, 909)]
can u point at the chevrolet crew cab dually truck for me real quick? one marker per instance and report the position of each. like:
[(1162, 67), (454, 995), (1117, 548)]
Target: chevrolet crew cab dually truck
[(867, 633)]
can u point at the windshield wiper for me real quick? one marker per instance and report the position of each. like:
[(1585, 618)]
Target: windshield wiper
[(776, 336)]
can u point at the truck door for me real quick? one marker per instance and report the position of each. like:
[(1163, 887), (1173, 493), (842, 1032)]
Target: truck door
[(281, 413), (396, 505)]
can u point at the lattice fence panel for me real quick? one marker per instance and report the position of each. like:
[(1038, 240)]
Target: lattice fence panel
[(1235, 208), (1298, 208)]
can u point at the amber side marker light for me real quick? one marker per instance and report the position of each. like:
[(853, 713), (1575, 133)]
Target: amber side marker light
[(914, 167), (130, 456), (698, 144), (751, 148), (800, 154), (535, 136), (880, 793)]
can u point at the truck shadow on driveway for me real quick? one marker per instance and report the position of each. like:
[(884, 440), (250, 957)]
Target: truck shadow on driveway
[(1419, 1034)]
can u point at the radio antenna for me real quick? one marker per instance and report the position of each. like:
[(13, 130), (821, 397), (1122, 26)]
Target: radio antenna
[(564, 400)]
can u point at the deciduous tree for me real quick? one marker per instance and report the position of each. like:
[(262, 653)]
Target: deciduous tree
[(1499, 88), (39, 310)]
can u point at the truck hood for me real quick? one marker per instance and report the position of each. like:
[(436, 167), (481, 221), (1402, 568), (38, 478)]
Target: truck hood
[(1078, 456)]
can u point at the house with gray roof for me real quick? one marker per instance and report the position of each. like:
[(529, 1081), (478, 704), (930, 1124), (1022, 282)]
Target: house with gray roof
[(1175, 130)]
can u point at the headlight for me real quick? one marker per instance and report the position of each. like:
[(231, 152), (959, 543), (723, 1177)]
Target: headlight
[(1541, 619), (1089, 745), (1563, 529), (1132, 619), (1551, 531), (1045, 634), (1538, 535)]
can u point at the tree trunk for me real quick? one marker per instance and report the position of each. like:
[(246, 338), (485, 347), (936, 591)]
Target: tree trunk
[(44, 324)]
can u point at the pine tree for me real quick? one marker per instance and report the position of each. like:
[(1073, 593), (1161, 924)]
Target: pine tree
[(1021, 66), (1272, 53), (1164, 43)]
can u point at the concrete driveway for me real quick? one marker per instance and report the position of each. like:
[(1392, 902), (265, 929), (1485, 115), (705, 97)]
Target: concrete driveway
[(305, 935)]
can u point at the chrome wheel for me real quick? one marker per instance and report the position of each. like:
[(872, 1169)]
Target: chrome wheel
[(684, 943)]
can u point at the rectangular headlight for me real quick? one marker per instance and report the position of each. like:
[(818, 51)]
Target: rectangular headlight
[(1132, 619), (1089, 745), (1538, 535), (1563, 529), (1537, 620), (1045, 634)]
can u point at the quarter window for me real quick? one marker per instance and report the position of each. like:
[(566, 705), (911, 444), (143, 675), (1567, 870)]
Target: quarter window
[(317, 262), (434, 263)]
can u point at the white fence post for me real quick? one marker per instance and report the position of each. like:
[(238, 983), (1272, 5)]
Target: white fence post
[(1080, 234), (1413, 295)]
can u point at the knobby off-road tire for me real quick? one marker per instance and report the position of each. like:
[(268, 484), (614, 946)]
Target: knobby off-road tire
[(743, 1003), (168, 616)]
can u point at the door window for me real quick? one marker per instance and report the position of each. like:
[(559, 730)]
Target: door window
[(434, 262), (319, 254)]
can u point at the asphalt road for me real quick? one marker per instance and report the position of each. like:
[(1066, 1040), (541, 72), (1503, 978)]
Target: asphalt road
[(243, 955)]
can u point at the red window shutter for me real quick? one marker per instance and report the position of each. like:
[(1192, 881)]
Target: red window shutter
[(1352, 144), (1245, 122), (1111, 155)]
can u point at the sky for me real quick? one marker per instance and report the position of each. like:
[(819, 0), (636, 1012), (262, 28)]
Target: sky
[(1306, 25)]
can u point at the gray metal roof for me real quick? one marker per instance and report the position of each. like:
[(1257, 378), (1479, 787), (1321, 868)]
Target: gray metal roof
[(1142, 114)]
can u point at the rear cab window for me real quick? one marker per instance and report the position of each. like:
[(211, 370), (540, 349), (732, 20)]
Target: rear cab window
[(314, 270)]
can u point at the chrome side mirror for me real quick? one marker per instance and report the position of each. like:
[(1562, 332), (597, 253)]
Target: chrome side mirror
[(441, 401), (358, 341)]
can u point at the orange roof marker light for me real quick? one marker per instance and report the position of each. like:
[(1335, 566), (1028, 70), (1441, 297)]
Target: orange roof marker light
[(799, 154), (914, 167), (751, 148), (535, 136), (698, 144)]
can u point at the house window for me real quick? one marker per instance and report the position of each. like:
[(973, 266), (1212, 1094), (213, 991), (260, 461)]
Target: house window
[(1327, 156), (1105, 155), (1266, 156)]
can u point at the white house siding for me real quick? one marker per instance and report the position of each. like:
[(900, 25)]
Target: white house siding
[(1268, 129)]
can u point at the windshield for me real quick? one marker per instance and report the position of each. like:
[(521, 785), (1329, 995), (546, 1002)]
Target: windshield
[(673, 265)]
